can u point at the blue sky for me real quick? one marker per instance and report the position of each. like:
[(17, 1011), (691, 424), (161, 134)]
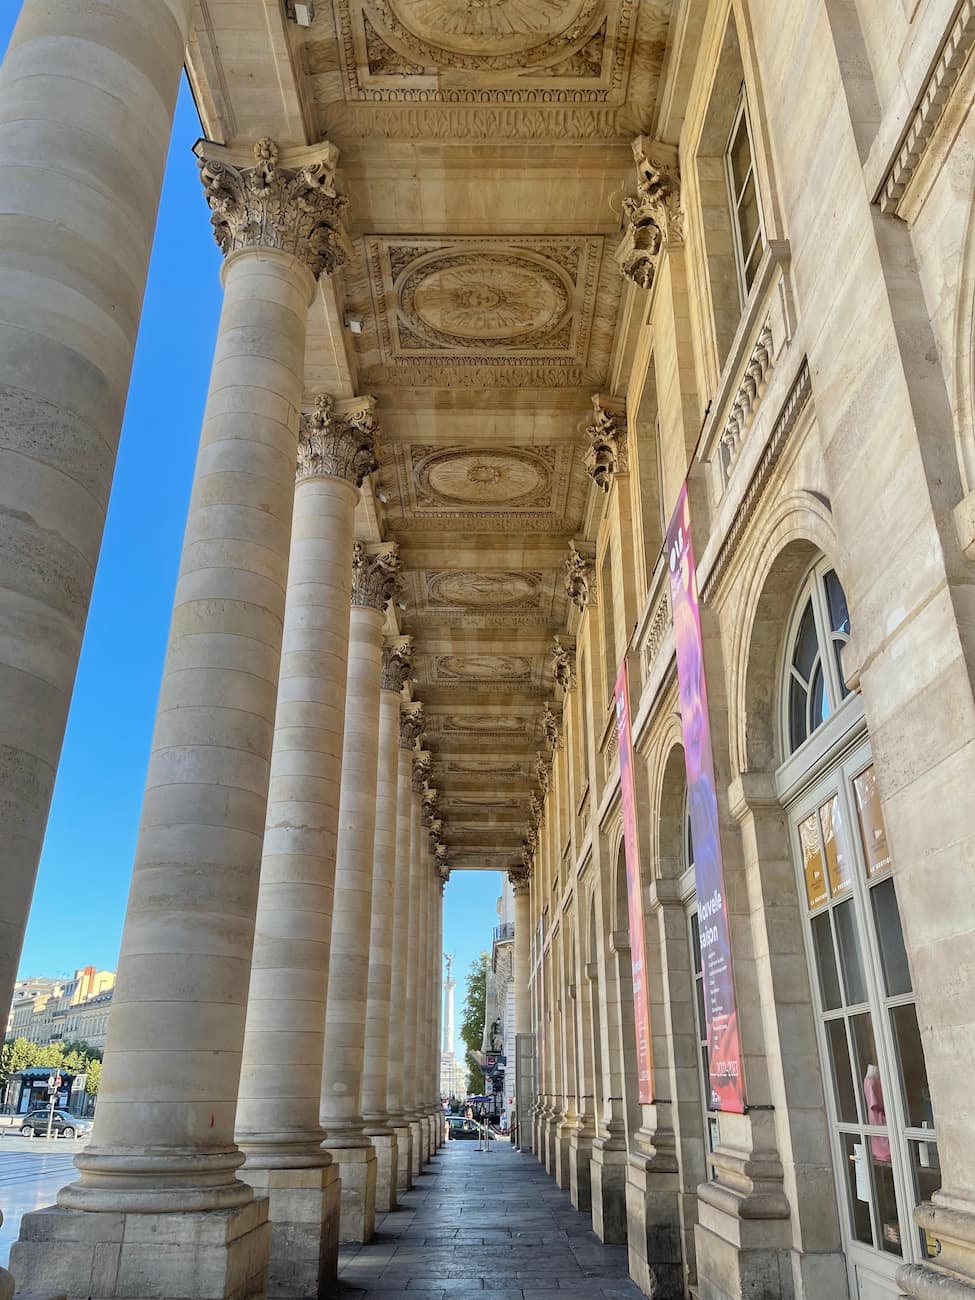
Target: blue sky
[(79, 903)]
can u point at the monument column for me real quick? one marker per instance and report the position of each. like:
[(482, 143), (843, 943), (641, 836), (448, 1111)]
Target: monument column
[(86, 112), (397, 663), (165, 1212), (374, 577), (277, 1126), (411, 726)]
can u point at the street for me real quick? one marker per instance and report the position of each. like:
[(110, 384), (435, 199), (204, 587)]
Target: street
[(31, 1172)]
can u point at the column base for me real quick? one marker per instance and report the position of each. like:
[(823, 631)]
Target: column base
[(950, 1275), (105, 1255), (653, 1230), (549, 1138), (357, 1213), (404, 1157), (387, 1166), (562, 1137), (432, 1126), (607, 1173), (580, 1179), (416, 1131), (303, 1208)]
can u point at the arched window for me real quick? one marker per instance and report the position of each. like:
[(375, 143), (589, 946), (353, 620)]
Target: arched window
[(815, 671)]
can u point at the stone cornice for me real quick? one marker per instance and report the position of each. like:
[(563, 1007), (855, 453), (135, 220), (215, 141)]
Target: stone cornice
[(411, 723), (286, 204), (341, 445), (608, 454), (375, 576), (397, 664)]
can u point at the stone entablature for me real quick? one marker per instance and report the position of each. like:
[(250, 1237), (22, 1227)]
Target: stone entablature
[(289, 204)]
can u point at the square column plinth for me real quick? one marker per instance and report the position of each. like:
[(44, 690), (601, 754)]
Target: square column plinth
[(417, 1156), (404, 1157), (387, 1169), (208, 1255), (304, 1208), (357, 1215)]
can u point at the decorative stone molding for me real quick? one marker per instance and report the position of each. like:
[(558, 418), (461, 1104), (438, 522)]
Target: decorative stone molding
[(375, 576), (563, 664), (428, 806), (552, 727), (580, 578), (752, 388), (654, 217), (608, 454), (422, 766), (520, 880), (542, 770), (410, 725), (921, 127), (441, 855), (534, 808), (397, 664), (659, 624), (269, 204), (434, 828), (342, 445)]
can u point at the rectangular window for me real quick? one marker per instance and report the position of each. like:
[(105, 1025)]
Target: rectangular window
[(746, 216)]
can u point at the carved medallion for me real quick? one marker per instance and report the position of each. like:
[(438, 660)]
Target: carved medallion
[(468, 478), (484, 722), (493, 668), (479, 590)]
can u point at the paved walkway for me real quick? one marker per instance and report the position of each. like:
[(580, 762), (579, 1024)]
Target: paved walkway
[(31, 1175), (477, 1224)]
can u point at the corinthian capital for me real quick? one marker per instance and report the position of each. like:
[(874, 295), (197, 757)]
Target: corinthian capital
[(607, 455), (422, 766), (551, 726), (653, 218), (375, 576), (338, 439), (520, 880), (563, 664), (289, 203), (397, 664), (428, 807), (410, 725), (580, 578)]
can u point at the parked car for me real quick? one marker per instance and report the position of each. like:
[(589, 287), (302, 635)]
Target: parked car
[(63, 1124), (461, 1129)]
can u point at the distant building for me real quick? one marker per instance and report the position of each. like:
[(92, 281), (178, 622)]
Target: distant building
[(498, 1041), (48, 1011)]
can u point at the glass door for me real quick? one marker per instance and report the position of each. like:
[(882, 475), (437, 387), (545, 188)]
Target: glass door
[(883, 1127)]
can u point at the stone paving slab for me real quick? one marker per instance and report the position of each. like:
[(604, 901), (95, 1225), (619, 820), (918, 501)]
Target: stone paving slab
[(495, 1227)]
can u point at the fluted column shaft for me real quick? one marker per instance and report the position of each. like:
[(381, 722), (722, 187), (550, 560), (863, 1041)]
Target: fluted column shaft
[(186, 948), (87, 95)]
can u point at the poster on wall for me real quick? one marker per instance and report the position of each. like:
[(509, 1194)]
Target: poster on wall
[(724, 1043), (634, 898)]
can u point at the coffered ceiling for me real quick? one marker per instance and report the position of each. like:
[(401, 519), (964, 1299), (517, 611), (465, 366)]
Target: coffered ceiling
[(484, 147)]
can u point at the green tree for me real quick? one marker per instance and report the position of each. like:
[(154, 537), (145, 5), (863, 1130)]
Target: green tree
[(472, 1019), (16, 1054), (94, 1077)]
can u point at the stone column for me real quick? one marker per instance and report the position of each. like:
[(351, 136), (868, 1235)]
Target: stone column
[(420, 1020), (430, 999), (280, 1087), (397, 661), (522, 977), (86, 111), (411, 725), (436, 957), (374, 576), (164, 1210), (421, 769)]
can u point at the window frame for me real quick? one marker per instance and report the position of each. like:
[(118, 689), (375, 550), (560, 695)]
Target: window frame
[(743, 257), (812, 589)]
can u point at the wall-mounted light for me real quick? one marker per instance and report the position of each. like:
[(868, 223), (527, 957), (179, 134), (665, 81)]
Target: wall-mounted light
[(353, 324), (300, 12)]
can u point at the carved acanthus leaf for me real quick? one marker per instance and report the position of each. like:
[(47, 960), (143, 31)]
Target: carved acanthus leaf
[(269, 205), (580, 578), (563, 664), (542, 770), (534, 809), (520, 879), (422, 766), (375, 576), (607, 455), (397, 664), (654, 217), (551, 726), (428, 806), (411, 721), (343, 446)]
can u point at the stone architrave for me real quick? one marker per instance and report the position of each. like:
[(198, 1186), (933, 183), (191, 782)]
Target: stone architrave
[(278, 1129), (76, 227), (411, 728), (374, 580), (397, 666), (191, 913)]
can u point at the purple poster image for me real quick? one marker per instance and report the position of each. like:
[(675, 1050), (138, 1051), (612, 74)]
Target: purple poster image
[(726, 1076)]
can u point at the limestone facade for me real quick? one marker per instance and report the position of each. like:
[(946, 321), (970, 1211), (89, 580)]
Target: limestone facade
[(579, 255)]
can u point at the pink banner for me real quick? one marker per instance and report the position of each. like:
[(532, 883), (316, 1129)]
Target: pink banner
[(724, 1044), (634, 892)]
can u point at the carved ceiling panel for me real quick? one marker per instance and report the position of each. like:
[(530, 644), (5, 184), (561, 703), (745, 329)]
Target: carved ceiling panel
[(484, 598)]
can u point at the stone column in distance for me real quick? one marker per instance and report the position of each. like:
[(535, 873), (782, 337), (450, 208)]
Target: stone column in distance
[(521, 972), (421, 770), (374, 579), (397, 666), (164, 1210), (280, 1088)]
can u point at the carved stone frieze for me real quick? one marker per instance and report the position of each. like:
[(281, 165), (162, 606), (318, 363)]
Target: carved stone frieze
[(411, 721), (751, 390), (269, 204), (375, 575), (563, 664), (397, 664), (342, 445), (422, 766), (608, 454), (580, 578), (654, 217)]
